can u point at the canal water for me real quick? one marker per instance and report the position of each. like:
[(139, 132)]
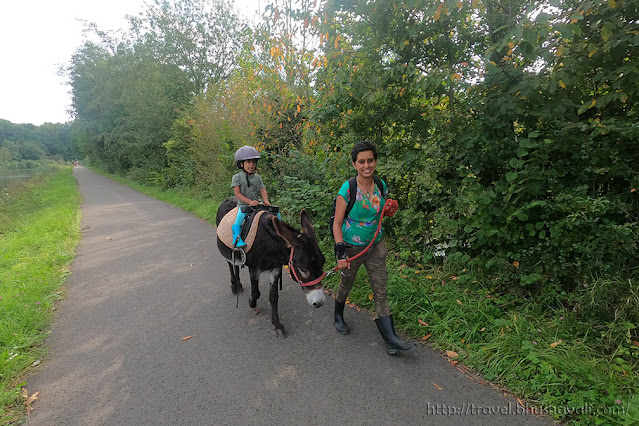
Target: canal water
[(7, 176)]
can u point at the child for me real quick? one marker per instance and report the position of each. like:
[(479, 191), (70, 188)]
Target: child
[(247, 187)]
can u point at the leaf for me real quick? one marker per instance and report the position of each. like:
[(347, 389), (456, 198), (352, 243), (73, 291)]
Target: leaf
[(437, 386), (370, 297), (452, 354), (454, 363), (562, 84), (557, 343), (186, 338), (426, 337), (422, 323), (606, 32)]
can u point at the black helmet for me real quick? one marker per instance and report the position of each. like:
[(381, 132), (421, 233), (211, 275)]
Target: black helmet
[(246, 153)]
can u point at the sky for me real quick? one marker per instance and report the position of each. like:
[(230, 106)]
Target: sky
[(38, 36)]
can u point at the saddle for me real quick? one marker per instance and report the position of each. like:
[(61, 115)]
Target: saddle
[(249, 225)]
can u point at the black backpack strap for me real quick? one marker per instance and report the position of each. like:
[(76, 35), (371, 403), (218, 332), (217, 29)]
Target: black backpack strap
[(352, 195)]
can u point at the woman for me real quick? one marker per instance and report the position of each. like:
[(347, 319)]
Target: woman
[(352, 235)]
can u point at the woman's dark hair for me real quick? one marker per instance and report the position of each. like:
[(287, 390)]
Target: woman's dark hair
[(361, 147)]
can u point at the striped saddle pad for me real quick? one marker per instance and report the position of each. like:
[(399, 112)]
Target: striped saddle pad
[(225, 231)]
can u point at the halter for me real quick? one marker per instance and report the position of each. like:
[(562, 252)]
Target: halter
[(306, 284)]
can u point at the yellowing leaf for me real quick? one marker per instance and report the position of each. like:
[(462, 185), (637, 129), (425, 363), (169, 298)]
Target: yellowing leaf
[(406, 42), (592, 52), (560, 51), (370, 297), (516, 264), (452, 354), (459, 301), (557, 343), (562, 84)]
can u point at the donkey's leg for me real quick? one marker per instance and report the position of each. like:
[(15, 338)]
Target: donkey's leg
[(273, 297), (255, 288), (236, 285)]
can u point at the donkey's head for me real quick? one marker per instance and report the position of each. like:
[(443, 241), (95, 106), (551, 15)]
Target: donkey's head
[(306, 261)]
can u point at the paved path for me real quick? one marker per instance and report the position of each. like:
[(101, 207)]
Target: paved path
[(148, 274)]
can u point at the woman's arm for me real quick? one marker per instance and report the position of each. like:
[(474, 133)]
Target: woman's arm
[(340, 210)]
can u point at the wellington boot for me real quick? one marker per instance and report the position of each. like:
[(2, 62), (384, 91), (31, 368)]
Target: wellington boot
[(338, 319), (237, 240), (393, 343)]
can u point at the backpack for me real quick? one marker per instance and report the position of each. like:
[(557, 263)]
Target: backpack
[(352, 191)]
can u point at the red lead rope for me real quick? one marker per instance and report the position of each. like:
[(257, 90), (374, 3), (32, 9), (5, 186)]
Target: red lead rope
[(390, 208)]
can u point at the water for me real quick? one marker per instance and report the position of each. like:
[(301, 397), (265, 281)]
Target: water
[(7, 176)]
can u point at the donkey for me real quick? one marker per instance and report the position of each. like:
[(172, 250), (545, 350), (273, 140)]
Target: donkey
[(276, 244)]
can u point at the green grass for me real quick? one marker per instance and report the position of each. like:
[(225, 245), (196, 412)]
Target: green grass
[(552, 358), (39, 229)]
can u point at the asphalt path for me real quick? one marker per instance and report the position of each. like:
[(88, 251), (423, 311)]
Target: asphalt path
[(148, 274)]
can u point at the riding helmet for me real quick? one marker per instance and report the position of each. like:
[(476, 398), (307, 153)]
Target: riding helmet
[(245, 153)]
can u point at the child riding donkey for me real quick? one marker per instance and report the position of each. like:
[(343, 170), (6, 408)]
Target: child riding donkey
[(248, 188)]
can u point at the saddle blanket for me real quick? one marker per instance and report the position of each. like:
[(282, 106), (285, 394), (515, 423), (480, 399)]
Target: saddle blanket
[(225, 231)]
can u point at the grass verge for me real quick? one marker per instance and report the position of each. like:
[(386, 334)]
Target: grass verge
[(548, 356), (38, 235)]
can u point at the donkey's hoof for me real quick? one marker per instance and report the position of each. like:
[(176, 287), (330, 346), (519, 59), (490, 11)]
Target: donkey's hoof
[(240, 289), (252, 303), (281, 333)]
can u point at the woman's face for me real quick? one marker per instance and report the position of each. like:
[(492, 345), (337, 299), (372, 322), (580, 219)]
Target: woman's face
[(365, 164)]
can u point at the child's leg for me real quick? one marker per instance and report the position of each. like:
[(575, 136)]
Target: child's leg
[(237, 228)]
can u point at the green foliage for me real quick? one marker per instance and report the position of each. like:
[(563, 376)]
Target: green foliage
[(28, 142)]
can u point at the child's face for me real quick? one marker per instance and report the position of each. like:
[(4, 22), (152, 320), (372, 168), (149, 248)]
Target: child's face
[(250, 166)]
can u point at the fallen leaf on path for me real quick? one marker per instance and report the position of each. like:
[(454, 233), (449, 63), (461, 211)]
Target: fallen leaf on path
[(454, 363), (29, 399), (256, 311), (452, 354), (422, 322), (187, 337), (557, 343), (426, 337), (437, 386)]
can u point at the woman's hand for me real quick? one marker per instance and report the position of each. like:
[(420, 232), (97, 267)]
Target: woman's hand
[(343, 264)]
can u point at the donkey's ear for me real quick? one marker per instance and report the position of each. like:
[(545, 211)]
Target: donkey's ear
[(307, 225), (285, 231)]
